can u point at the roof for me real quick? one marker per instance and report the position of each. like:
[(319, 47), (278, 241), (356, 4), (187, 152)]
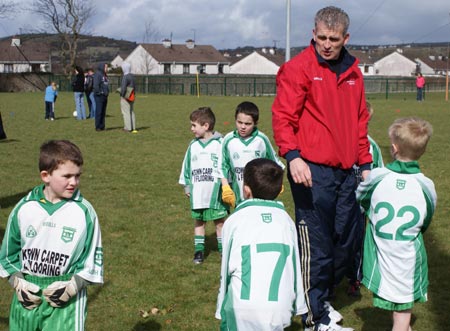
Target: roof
[(28, 51), (181, 53)]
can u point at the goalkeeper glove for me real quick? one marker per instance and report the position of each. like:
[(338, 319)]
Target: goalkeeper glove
[(228, 195), (25, 291), (59, 293)]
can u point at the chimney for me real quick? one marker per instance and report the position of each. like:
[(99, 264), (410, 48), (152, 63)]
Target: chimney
[(264, 50), (272, 51), (167, 43), (190, 43)]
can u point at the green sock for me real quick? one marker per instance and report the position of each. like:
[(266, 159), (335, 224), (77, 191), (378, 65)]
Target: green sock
[(219, 244), (199, 243)]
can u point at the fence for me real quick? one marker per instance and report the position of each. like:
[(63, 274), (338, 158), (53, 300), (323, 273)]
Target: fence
[(220, 85)]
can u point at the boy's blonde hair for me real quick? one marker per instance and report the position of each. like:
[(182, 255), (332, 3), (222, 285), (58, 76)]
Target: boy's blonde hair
[(411, 135)]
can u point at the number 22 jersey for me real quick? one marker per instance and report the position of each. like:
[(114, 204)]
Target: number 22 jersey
[(399, 202)]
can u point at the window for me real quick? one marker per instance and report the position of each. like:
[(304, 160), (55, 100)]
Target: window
[(220, 69), (8, 68), (185, 69), (167, 69)]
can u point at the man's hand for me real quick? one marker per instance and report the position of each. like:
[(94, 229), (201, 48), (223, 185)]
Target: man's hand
[(59, 293), (228, 195), (25, 291), (365, 174), (300, 172)]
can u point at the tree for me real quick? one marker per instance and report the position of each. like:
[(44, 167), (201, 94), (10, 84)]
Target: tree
[(67, 18)]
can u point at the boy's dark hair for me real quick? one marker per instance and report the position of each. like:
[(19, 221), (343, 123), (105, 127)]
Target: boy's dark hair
[(264, 177), (56, 152), (248, 108), (204, 115)]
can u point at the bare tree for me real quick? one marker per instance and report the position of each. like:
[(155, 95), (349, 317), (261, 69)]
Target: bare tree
[(67, 18), (151, 33), (6, 9)]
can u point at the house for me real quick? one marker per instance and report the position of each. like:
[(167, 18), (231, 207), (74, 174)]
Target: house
[(31, 56), (366, 61), (176, 59), (264, 62), (395, 64), (117, 61)]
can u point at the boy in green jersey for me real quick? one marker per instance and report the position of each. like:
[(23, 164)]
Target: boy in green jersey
[(261, 286), (52, 246), (238, 148), (201, 186), (399, 202)]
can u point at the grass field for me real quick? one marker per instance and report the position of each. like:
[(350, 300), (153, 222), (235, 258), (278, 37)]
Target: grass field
[(131, 179)]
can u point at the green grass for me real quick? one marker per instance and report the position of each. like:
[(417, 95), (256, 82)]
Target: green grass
[(132, 181)]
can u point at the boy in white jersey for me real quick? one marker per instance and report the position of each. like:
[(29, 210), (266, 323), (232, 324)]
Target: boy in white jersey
[(355, 272), (52, 246), (261, 283), (399, 202), (201, 185), (239, 147)]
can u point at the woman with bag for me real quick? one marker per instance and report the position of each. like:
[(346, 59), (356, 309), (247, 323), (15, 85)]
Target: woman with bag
[(127, 94)]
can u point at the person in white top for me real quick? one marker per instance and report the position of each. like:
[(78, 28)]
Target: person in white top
[(399, 202), (261, 281)]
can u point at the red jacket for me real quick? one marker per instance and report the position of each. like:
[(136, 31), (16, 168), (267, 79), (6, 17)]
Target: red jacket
[(320, 116)]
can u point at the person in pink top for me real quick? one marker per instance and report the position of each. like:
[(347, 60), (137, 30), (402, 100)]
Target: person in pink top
[(420, 83)]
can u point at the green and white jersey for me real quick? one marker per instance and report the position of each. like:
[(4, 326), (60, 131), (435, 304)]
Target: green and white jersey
[(261, 282), (399, 202), (377, 157), (46, 239), (199, 173), (237, 152)]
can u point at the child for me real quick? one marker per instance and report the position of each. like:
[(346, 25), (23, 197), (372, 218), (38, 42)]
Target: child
[(399, 202), (200, 185), (355, 271), (51, 93), (241, 146), (52, 246), (261, 283)]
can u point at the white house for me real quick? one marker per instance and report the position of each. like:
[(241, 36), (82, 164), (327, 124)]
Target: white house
[(395, 64), (27, 57), (117, 61), (173, 59), (264, 62)]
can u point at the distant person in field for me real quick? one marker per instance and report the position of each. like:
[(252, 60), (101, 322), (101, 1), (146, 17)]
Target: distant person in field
[(261, 286), (52, 247), (127, 94), (51, 93), (240, 146), (399, 202), (78, 91), (2, 131), (89, 91), (202, 188), (420, 84), (101, 92)]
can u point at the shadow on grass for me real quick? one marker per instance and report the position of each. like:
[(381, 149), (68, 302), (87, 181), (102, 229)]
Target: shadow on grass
[(295, 326), (13, 199), (375, 319), (210, 244), (4, 322), (147, 326), (7, 141)]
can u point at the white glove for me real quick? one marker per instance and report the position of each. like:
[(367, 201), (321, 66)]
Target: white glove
[(59, 293), (25, 291)]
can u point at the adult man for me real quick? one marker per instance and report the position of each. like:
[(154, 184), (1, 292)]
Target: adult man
[(319, 120), (101, 92)]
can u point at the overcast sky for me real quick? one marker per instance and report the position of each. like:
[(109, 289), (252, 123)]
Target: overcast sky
[(238, 23)]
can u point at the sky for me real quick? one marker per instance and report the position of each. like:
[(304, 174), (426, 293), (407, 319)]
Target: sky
[(259, 23)]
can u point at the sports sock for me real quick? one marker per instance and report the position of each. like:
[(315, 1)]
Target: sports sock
[(199, 243), (219, 244)]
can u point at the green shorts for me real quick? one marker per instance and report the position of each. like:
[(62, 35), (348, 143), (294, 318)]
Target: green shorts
[(70, 317), (208, 214), (392, 306)]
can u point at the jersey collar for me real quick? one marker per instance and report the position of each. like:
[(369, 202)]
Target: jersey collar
[(411, 167)]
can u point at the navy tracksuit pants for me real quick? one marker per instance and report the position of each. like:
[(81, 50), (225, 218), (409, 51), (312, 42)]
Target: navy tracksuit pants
[(327, 217)]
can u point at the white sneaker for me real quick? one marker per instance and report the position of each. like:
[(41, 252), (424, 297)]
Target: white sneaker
[(332, 327), (333, 314)]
